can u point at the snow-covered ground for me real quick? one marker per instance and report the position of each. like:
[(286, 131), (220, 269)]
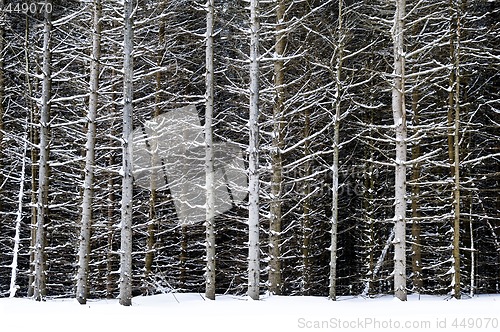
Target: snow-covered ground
[(191, 312)]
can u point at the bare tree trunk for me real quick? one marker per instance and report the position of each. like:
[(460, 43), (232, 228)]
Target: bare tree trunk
[(209, 155), (127, 178), (253, 167), (306, 208), (454, 140), (416, 247), (88, 185), (34, 141), (275, 280), (472, 255), (150, 242), (183, 256), (110, 257), (112, 215), (399, 114), (19, 218), (456, 168), (335, 166), (39, 290)]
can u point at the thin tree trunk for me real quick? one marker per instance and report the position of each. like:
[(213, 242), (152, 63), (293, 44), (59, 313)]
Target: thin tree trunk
[(454, 140), (209, 157), (88, 185), (399, 114), (275, 280), (19, 218), (416, 247), (150, 242), (183, 256), (472, 255), (368, 208), (253, 185), (34, 141), (110, 257), (335, 166), (306, 209), (127, 178), (39, 291), (378, 265)]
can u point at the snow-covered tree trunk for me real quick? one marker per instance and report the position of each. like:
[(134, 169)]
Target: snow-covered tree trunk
[(378, 265), (110, 213), (305, 285), (454, 139), (253, 163), (19, 218), (155, 160), (34, 140), (335, 165), (416, 247), (88, 184), (126, 171), (39, 283), (399, 114), (209, 155), (275, 282), (472, 258)]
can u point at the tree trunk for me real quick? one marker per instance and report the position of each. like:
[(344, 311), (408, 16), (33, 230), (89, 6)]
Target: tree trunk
[(19, 218), (399, 114), (88, 185), (306, 208), (183, 256), (110, 257), (39, 289), (454, 140), (275, 280), (34, 141), (416, 247), (150, 242), (209, 155), (253, 167), (336, 147), (127, 178)]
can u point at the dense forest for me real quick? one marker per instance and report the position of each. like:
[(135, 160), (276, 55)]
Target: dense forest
[(367, 133)]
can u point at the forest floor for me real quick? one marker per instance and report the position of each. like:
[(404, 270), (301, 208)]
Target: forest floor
[(191, 312)]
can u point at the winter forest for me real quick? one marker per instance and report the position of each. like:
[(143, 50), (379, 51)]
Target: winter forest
[(289, 147)]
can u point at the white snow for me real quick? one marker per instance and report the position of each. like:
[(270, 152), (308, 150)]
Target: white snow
[(191, 312)]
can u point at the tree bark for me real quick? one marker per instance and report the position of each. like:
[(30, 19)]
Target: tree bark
[(34, 141), (39, 289), (253, 167), (150, 242), (306, 208), (454, 140), (399, 115), (335, 165), (88, 185), (275, 280), (416, 247), (19, 218), (209, 155), (127, 178)]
